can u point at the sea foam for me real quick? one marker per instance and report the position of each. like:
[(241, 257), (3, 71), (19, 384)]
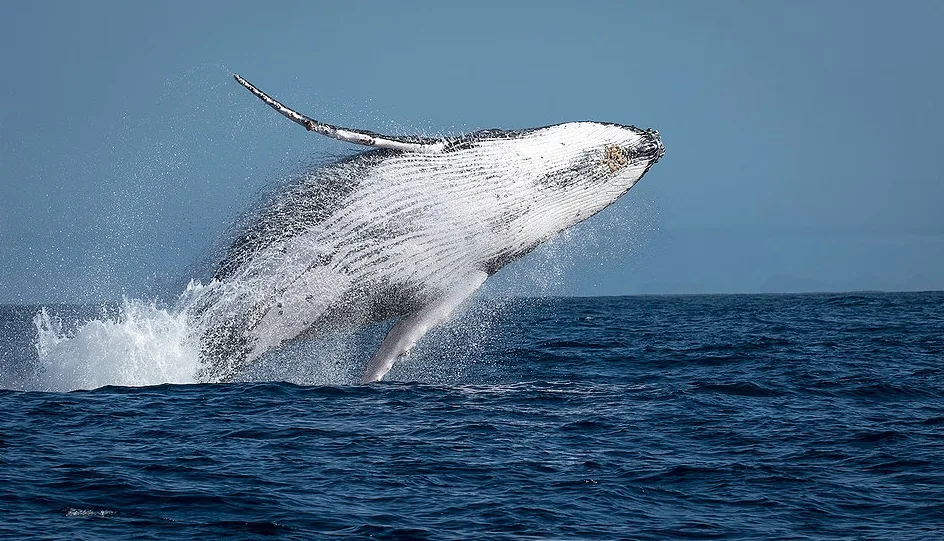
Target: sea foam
[(140, 344)]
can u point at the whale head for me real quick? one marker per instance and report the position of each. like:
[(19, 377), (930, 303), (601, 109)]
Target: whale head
[(574, 169), (532, 184), (594, 156)]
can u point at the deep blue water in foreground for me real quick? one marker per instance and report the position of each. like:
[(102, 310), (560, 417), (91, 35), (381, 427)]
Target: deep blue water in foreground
[(690, 417)]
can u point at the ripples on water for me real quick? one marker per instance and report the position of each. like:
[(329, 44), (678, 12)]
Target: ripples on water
[(736, 417)]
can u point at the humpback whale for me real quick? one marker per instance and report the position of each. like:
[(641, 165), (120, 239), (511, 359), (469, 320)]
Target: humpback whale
[(405, 231)]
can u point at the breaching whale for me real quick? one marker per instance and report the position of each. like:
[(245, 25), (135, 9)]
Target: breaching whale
[(405, 231)]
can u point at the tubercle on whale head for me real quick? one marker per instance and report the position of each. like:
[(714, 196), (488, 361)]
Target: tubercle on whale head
[(630, 157), (644, 145)]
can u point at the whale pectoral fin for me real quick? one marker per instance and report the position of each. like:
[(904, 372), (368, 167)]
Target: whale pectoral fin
[(409, 330), (360, 137)]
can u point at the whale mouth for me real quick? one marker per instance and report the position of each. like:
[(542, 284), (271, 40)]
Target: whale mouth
[(650, 147)]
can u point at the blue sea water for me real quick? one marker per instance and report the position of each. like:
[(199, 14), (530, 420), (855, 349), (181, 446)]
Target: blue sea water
[(668, 417)]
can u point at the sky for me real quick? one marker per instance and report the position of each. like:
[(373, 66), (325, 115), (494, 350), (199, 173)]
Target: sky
[(803, 139)]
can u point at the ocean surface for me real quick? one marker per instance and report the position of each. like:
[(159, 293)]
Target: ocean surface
[(808, 417)]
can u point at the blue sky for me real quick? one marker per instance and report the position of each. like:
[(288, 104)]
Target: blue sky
[(802, 139)]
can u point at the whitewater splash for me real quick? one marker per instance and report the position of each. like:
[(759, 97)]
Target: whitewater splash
[(140, 344)]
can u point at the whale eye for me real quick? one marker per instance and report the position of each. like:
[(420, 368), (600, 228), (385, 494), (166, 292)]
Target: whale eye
[(615, 157)]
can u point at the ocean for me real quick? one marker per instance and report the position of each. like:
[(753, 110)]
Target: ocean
[(815, 416)]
